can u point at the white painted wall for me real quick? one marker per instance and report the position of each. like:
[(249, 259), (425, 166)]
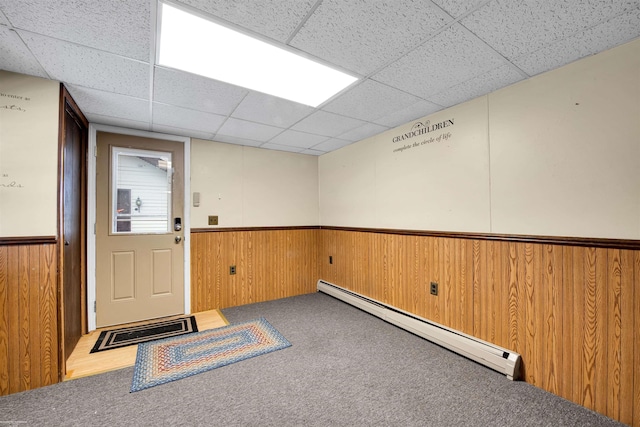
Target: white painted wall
[(28, 155), (248, 186), (558, 154), (565, 150)]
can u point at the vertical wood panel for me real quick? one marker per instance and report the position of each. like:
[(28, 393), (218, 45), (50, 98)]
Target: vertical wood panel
[(636, 339), (407, 274), (515, 297), (522, 308), (579, 291), (4, 322), (327, 246), (601, 374), (33, 314), (530, 289), (629, 294), (467, 282), (196, 272), (614, 331), (480, 290), (572, 312), (23, 310), (415, 296), (538, 313), (49, 320), (423, 277), (446, 288), (13, 284), (552, 320), (454, 300), (458, 285), (590, 320), (28, 317), (378, 267), (270, 264), (568, 315), (499, 299), (360, 253), (436, 265)]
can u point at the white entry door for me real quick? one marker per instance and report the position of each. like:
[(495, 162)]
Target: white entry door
[(139, 237)]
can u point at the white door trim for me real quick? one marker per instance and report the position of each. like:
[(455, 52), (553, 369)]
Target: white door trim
[(91, 213)]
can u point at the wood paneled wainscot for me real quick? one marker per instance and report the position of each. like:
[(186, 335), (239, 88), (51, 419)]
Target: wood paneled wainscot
[(271, 263), (28, 315), (570, 307)]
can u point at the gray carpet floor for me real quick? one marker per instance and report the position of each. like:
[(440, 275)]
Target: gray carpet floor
[(344, 368)]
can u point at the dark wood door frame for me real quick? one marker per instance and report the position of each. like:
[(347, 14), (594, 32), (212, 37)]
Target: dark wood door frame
[(69, 331)]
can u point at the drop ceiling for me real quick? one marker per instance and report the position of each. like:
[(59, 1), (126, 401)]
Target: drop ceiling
[(413, 58)]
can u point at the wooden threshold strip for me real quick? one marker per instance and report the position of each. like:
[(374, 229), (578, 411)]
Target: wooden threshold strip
[(81, 363)]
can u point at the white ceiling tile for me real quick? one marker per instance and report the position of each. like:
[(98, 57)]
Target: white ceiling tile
[(237, 141), (517, 28), (274, 19), (604, 36), (16, 57), (115, 121), (328, 124), (3, 20), (92, 101), (370, 100), (458, 8), (122, 27), (363, 132), (181, 132), (363, 36), (295, 138), (408, 114), (80, 65), (271, 146), (441, 63), (101, 50), (331, 145), (248, 130), (477, 86), (177, 117), (196, 92), (270, 110)]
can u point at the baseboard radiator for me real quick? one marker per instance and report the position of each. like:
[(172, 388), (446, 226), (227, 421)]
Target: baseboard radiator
[(497, 358)]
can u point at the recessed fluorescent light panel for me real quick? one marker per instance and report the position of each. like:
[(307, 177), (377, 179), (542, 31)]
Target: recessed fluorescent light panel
[(197, 45)]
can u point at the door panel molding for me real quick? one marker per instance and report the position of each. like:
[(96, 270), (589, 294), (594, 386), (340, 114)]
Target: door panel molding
[(91, 211)]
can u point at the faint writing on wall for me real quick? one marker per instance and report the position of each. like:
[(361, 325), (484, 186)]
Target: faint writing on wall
[(12, 106), (422, 128), (427, 131), (7, 182)]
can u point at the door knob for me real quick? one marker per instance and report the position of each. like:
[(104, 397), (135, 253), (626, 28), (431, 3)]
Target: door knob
[(66, 243), (178, 239)]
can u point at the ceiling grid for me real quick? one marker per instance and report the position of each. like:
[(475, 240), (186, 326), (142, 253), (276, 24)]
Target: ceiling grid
[(412, 58)]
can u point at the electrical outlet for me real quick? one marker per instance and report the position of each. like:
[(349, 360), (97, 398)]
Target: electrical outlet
[(232, 270), (213, 219), (434, 288)]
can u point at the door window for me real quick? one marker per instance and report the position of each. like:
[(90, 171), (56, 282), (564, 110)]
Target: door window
[(141, 199)]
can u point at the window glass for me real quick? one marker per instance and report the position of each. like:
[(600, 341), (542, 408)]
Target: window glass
[(141, 185)]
